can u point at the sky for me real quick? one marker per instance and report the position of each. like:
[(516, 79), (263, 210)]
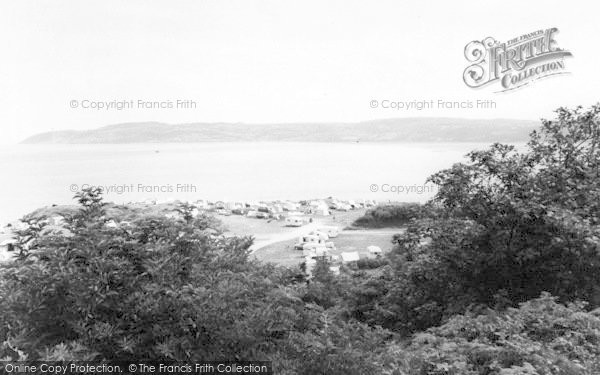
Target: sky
[(272, 61)]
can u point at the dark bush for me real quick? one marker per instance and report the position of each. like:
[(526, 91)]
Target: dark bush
[(393, 215), (371, 263), (163, 290), (540, 337)]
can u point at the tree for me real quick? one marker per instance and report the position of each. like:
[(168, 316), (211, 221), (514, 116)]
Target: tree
[(534, 214), (168, 289), (160, 289), (510, 225)]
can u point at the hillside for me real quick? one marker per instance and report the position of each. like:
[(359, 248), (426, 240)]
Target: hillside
[(388, 130)]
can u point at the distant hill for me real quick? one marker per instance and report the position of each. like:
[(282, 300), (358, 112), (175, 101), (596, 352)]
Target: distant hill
[(388, 130)]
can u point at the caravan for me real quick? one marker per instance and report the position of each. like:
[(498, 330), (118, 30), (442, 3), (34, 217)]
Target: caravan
[(314, 245), (332, 232), (294, 221), (320, 235)]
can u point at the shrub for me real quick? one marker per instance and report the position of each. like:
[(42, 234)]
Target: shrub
[(540, 337), (371, 263), (163, 289), (393, 215)]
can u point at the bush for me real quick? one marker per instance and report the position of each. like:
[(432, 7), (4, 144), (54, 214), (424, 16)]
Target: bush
[(163, 290), (393, 215), (540, 337), (371, 263)]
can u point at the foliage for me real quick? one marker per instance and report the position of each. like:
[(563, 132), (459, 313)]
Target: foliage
[(510, 225), (540, 337), (393, 215), (166, 289), (159, 290), (535, 215), (371, 263), (324, 289)]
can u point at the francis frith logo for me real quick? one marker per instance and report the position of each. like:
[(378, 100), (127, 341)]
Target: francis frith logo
[(515, 63)]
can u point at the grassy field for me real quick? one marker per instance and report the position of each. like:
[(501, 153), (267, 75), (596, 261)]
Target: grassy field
[(264, 230), (283, 253)]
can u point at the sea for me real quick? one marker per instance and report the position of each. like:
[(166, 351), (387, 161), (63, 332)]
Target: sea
[(42, 175)]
